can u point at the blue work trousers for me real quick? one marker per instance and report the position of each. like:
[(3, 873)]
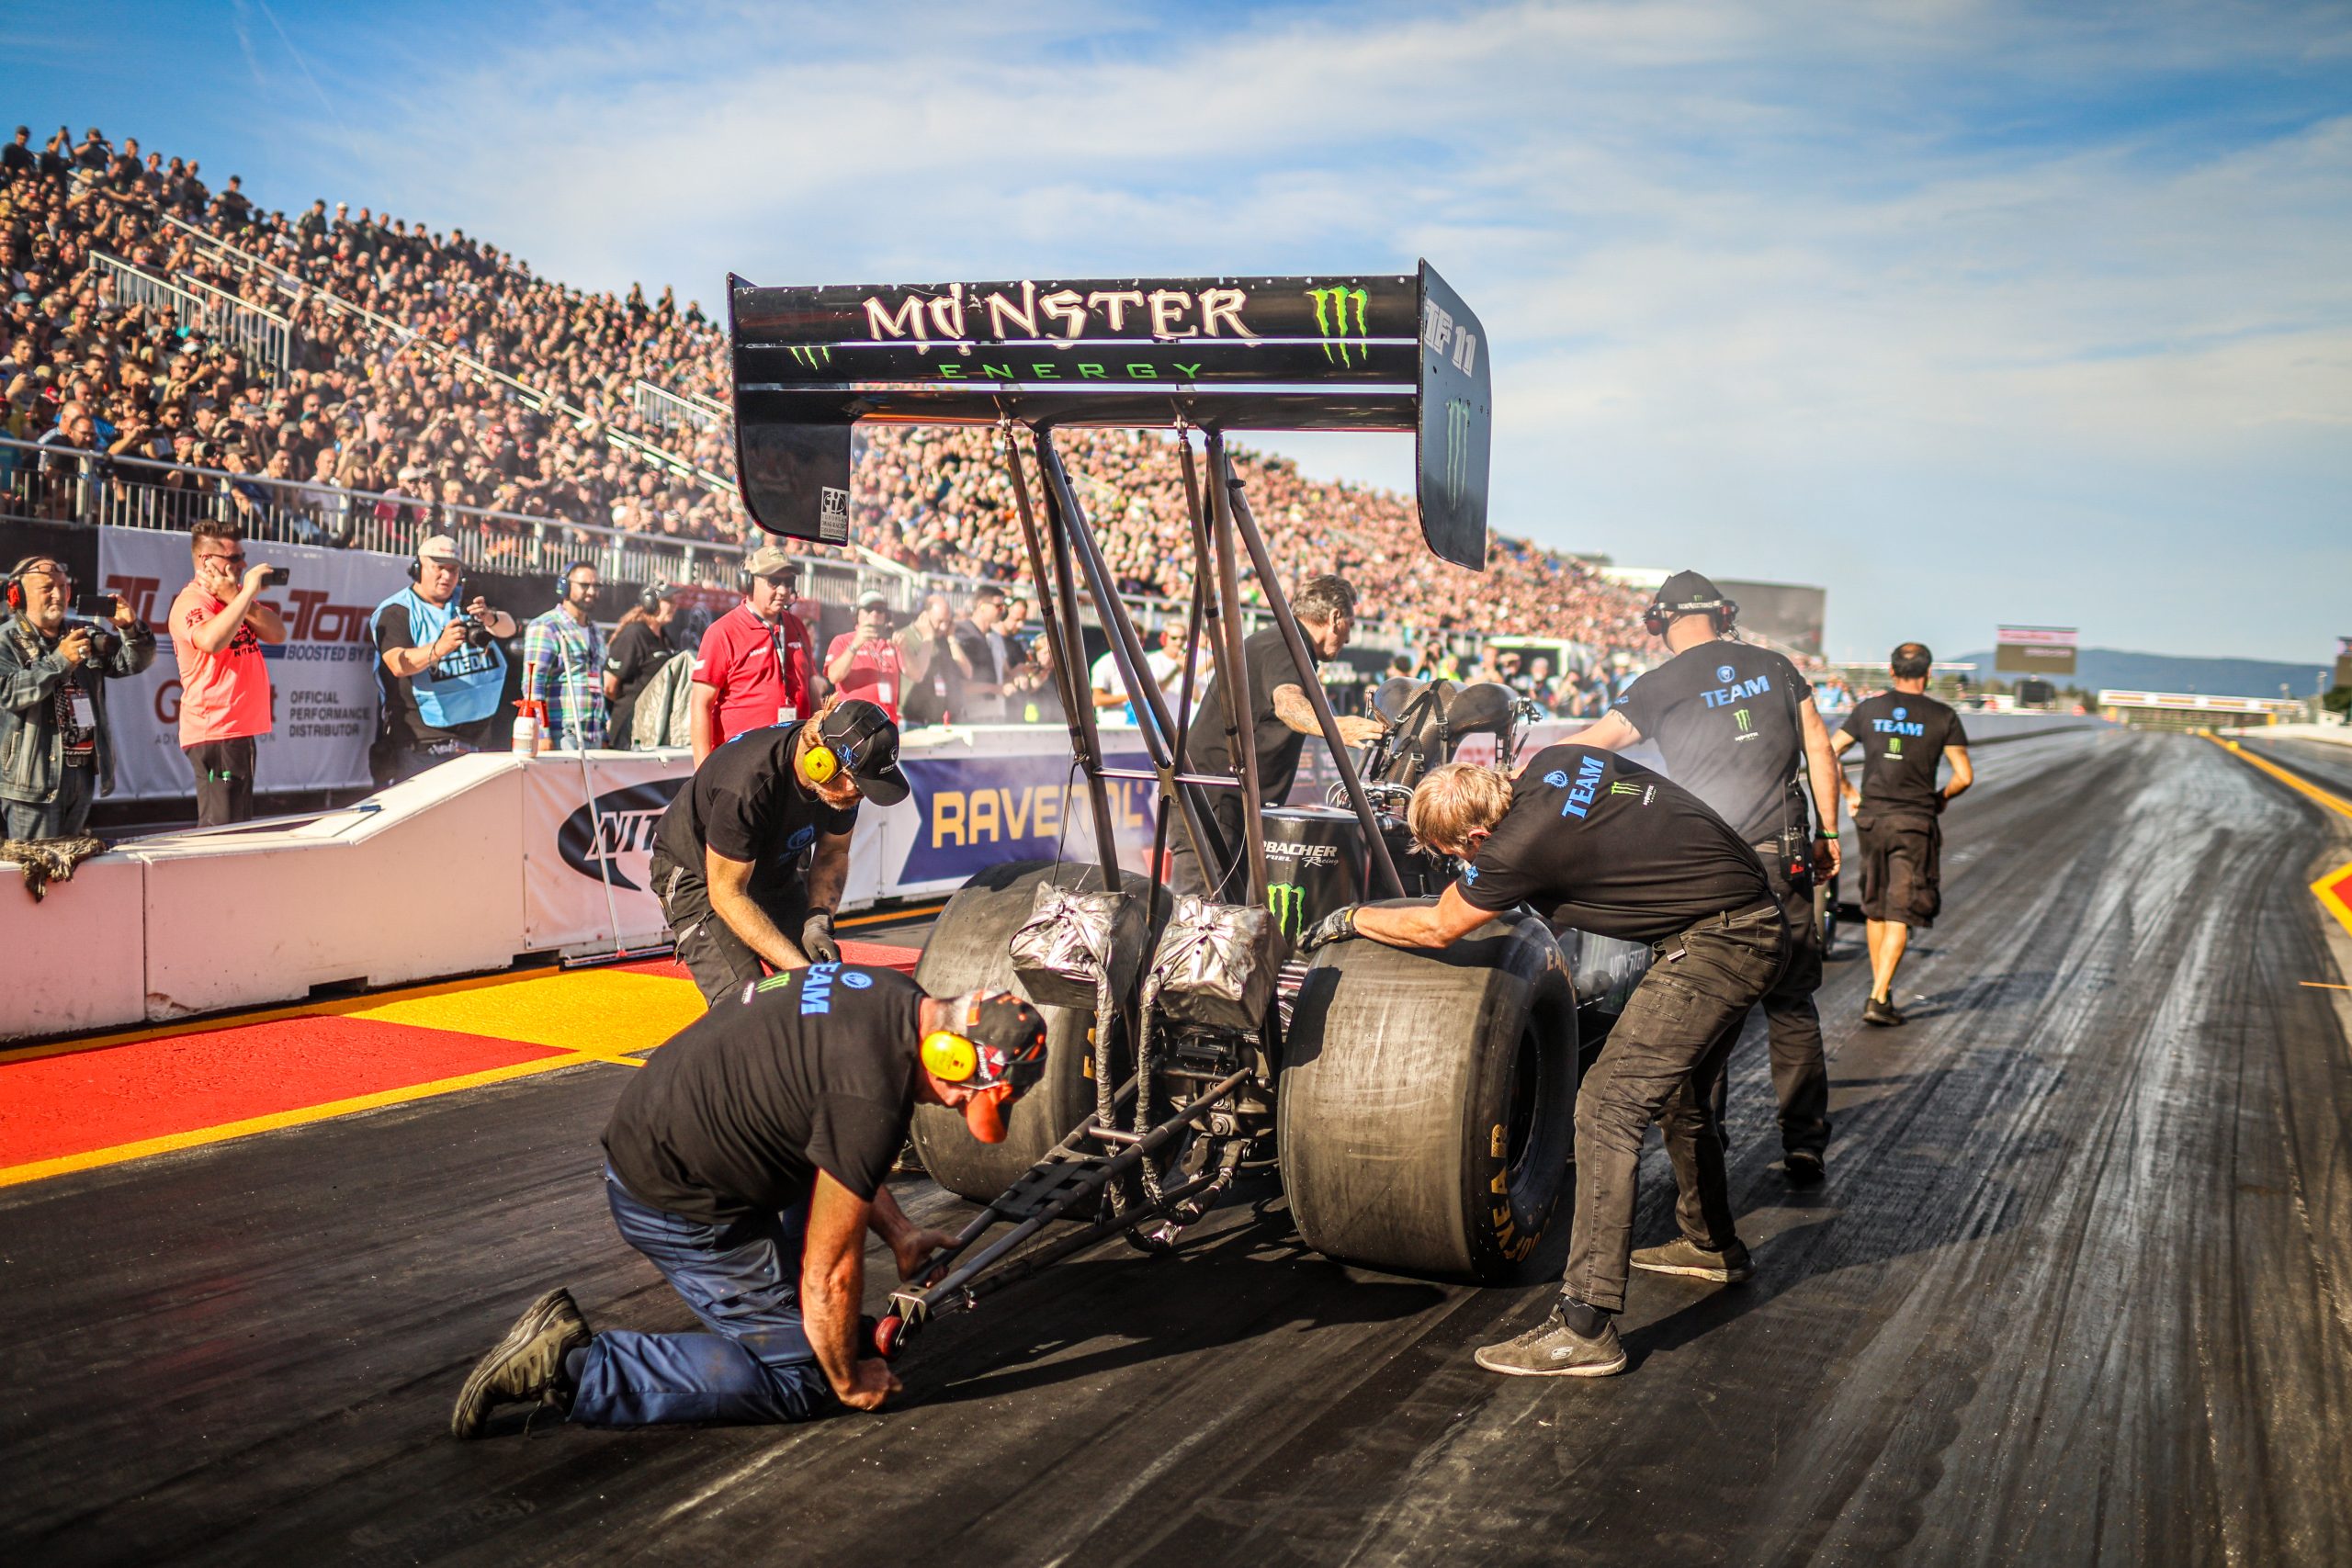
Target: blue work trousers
[(743, 1281)]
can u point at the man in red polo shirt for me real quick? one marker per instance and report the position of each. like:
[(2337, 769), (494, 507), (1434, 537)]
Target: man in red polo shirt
[(754, 665), (219, 624), (864, 663)]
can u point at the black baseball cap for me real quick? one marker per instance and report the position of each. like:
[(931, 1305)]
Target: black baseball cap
[(868, 744), (1687, 590)]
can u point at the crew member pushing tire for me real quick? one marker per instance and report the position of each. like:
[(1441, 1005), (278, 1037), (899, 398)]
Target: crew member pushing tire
[(1604, 845), (1738, 729)]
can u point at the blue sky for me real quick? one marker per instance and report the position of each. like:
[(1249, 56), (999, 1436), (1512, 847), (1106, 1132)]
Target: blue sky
[(1973, 312)]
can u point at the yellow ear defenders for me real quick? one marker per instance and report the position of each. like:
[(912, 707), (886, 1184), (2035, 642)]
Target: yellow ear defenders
[(821, 762), (950, 1058)]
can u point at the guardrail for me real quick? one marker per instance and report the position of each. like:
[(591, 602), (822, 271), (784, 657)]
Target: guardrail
[(261, 334), (668, 410)]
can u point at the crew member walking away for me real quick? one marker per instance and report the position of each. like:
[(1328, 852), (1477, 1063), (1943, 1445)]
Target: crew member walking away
[(1280, 717), (747, 1161), (1897, 809), (219, 624), (640, 648), (563, 664), (56, 748), (1604, 845), (440, 665), (750, 859), (864, 663), (1737, 726), (754, 667)]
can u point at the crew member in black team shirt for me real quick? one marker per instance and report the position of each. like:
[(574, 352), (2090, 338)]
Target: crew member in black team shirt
[(1604, 845), (1280, 717), (747, 1161), (749, 860), (1904, 734), (1738, 729)]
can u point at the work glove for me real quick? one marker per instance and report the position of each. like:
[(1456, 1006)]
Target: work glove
[(1337, 925), (817, 938)]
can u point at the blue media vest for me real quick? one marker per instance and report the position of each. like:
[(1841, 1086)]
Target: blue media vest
[(463, 688)]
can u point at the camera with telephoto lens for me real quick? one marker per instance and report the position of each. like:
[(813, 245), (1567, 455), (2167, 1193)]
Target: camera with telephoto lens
[(476, 635)]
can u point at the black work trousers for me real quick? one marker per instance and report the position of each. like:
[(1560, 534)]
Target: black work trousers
[(721, 963), (1667, 1047), (224, 781), (1184, 869), (1800, 1070)]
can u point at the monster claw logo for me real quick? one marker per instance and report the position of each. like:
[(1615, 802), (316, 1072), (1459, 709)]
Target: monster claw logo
[(1894, 745), (1287, 900), (1625, 786), (1740, 715), (815, 356), (1332, 321), (1457, 447)]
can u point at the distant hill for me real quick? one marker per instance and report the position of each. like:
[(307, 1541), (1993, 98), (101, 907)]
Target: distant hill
[(2102, 667)]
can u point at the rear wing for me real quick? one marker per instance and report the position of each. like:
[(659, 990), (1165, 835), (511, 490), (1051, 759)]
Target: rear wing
[(1388, 353)]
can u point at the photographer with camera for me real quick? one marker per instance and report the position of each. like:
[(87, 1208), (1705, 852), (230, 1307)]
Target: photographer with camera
[(441, 671), (56, 753), (218, 626)]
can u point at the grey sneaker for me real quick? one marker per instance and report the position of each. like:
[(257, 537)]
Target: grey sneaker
[(1683, 1256), (1553, 1350), (527, 1364)]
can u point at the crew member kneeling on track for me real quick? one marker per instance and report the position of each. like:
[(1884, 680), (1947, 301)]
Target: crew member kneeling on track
[(747, 1161), (1897, 809), (750, 859), (1607, 846)]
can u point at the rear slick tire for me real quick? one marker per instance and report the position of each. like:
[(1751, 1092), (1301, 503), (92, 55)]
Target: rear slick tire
[(968, 951), (1427, 1102)]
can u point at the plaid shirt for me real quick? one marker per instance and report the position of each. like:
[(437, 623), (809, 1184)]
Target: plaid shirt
[(564, 666)]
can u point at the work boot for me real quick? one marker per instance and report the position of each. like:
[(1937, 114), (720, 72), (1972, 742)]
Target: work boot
[(1882, 1011), (1802, 1168), (526, 1364), (1553, 1350), (1683, 1256)]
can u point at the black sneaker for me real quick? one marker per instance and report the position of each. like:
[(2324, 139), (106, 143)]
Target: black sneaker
[(527, 1364), (1683, 1256), (1802, 1168), (1881, 1013), (1553, 1350)]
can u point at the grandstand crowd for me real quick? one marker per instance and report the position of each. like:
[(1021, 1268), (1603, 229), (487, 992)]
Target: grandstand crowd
[(429, 371)]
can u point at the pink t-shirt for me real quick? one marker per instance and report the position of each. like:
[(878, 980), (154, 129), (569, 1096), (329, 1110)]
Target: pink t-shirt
[(223, 695), (874, 673), (761, 671)]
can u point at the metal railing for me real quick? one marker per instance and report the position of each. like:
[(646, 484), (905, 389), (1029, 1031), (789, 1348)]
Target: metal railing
[(668, 410), (261, 334)]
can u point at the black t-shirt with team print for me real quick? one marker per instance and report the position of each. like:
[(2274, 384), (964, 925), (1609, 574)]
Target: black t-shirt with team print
[(746, 802), (1902, 736), (807, 1071), (1726, 718), (1607, 846)]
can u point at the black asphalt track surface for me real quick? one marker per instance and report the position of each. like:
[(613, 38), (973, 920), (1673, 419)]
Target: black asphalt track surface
[(2075, 1292)]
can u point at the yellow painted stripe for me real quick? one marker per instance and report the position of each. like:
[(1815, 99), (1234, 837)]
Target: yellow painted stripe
[(2322, 986), (893, 914), (333, 1008), (14, 1174), (2335, 803), (607, 1010)]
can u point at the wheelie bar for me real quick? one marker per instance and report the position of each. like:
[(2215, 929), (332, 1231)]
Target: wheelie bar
[(910, 1309)]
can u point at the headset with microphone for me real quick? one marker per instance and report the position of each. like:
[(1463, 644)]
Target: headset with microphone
[(1720, 613)]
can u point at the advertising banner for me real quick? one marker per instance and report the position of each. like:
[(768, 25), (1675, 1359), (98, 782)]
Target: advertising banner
[(2035, 650), (975, 811), (588, 827), (323, 679)]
